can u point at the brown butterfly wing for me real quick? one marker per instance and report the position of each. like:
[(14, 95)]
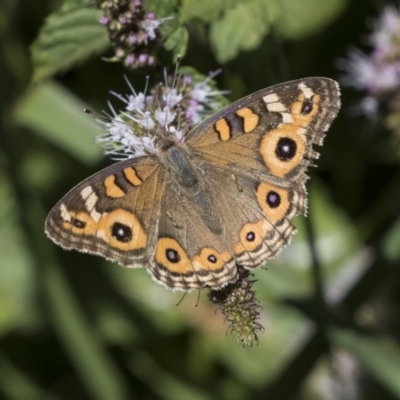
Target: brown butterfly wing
[(244, 136), (250, 160), (113, 213), (263, 143), (191, 252)]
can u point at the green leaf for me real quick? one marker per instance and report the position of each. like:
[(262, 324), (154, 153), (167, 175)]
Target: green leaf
[(18, 308), (390, 245), (206, 10), (86, 351), (68, 37), (79, 337), (161, 8), (299, 19), (380, 355), (338, 247), (242, 27), (53, 112), (70, 4), (173, 30), (16, 385), (177, 37)]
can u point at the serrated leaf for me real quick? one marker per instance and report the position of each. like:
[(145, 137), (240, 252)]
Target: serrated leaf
[(302, 18), (173, 30), (205, 10), (241, 28), (177, 41), (161, 8), (67, 38), (53, 112)]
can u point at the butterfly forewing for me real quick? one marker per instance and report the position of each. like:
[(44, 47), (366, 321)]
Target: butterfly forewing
[(108, 214)]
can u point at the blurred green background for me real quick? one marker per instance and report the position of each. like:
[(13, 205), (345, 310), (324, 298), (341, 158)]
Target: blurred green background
[(73, 326)]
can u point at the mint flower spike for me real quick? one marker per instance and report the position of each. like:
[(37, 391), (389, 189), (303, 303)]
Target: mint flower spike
[(239, 306), (377, 73), (133, 31), (172, 107)]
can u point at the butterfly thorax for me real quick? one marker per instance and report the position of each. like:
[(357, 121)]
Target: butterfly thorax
[(186, 182), (176, 159)]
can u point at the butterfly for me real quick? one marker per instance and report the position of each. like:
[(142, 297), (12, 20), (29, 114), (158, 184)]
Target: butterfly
[(224, 196)]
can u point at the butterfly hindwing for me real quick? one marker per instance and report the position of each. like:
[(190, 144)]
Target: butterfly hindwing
[(264, 144)]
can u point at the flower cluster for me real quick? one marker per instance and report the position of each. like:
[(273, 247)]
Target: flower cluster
[(379, 72), (133, 31), (175, 106), (238, 305)]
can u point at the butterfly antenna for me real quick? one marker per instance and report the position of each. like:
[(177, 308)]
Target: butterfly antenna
[(105, 116), (91, 112), (180, 301)]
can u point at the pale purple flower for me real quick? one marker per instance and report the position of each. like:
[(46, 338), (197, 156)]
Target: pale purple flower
[(104, 20), (143, 58), (120, 139), (130, 59), (194, 111), (147, 120), (369, 105), (150, 26), (377, 73), (133, 39), (200, 91), (131, 131), (385, 28), (172, 97), (136, 102), (360, 69), (165, 116), (134, 32)]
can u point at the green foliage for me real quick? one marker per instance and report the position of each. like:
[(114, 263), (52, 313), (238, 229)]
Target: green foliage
[(391, 242), (85, 349), (242, 27), (74, 326), (50, 110), (176, 37), (174, 31), (68, 37), (207, 10), (298, 19), (379, 354)]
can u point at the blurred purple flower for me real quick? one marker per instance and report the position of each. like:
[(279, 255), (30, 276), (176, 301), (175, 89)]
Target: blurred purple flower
[(377, 73)]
